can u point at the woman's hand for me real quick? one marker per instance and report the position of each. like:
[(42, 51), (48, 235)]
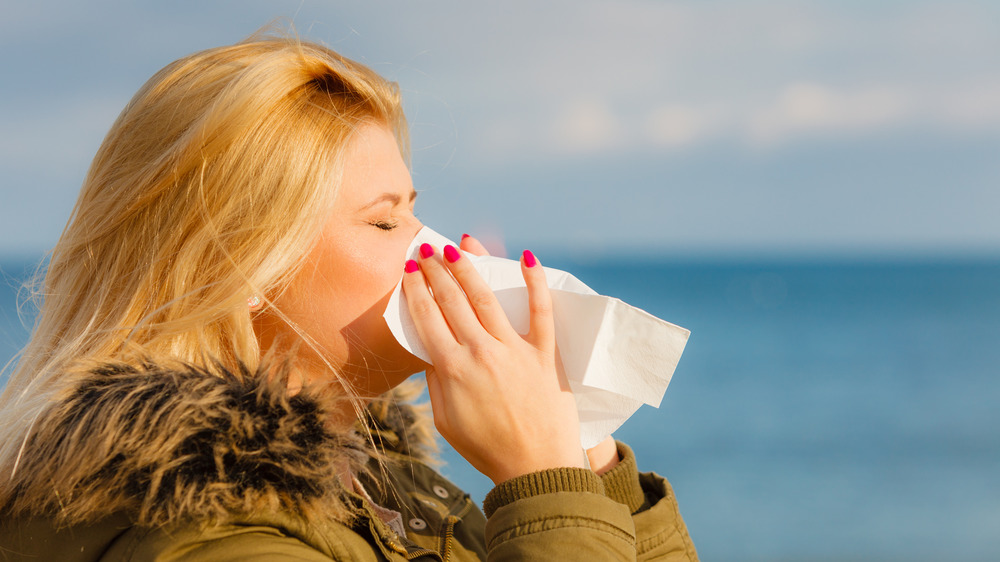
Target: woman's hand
[(603, 456), (497, 396)]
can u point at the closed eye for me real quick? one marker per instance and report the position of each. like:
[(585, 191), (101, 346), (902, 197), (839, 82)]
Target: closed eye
[(385, 224)]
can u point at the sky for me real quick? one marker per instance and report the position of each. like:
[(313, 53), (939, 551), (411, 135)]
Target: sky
[(665, 128)]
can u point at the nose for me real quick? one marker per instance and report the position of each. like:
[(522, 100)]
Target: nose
[(416, 226)]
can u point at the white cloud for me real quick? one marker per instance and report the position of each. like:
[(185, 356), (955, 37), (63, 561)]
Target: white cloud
[(584, 126), (812, 109), (677, 74), (676, 125), (790, 113)]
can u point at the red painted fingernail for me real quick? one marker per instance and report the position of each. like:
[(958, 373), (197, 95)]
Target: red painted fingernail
[(426, 250), (529, 258), (411, 266), (451, 254), (464, 236)]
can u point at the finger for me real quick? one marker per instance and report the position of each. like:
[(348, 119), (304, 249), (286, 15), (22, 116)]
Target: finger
[(481, 297), (450, 298), (427, 317), (472, 245), (542, 325)]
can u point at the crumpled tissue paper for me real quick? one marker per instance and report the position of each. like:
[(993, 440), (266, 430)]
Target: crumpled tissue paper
[(616, 357)]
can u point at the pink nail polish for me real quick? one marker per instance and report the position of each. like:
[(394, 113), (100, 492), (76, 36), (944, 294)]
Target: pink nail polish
[(529, 258), (411, 266), (464, 236), (451, 254), (426, 250)]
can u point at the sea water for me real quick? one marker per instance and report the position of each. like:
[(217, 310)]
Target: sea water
[(841, 410)]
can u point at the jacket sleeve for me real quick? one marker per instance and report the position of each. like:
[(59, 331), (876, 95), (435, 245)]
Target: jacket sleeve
[(545, 515), (660, 531), (622, 515)]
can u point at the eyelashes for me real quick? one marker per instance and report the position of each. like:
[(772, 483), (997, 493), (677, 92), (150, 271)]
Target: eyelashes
[(388, 223), (383, 224)]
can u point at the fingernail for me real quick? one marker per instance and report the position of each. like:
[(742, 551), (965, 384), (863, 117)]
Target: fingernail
[(411, 266), (426, 250), (529, 258), (464, 236), (451, 254)]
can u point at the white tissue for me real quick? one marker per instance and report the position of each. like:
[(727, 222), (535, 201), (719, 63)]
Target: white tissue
[(616, 357)]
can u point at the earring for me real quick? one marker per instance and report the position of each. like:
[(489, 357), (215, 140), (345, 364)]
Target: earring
[(254, 302)]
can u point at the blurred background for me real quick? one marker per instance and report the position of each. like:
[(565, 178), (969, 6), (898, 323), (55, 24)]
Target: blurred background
[(810, 187)]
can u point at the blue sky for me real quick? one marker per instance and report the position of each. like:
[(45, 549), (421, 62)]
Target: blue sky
[(656, 127)]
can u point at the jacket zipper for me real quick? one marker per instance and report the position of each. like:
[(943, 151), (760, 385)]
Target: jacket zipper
[(410, 555), (449, 534), (449, 530)]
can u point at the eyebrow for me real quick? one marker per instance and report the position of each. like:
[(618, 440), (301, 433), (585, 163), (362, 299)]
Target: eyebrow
[(393, 198)]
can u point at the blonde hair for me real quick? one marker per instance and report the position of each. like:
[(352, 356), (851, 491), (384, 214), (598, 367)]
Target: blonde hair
[(211, 186)]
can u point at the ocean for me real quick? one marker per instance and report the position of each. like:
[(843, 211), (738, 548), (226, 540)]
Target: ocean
[(822, 411)]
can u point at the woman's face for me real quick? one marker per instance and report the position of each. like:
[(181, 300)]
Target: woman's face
[(338, 297)]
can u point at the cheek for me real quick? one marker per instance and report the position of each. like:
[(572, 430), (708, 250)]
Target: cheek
[(369, 276), (373, 282), (366, 277), (330, 291)]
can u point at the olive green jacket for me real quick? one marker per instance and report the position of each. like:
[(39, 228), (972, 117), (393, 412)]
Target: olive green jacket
[(145, 464)]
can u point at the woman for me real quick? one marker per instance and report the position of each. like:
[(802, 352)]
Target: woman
[(210, 377)]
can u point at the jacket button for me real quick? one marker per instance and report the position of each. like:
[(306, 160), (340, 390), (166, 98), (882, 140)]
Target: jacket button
[(441, 492), (418, 524)]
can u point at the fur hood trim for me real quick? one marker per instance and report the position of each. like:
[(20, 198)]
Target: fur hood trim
[(165, 444)]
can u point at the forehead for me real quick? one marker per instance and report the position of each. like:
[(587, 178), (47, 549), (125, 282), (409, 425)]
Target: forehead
[(373, 166)]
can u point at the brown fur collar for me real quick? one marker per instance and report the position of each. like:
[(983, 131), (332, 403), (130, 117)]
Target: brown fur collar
[(186, 443)]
